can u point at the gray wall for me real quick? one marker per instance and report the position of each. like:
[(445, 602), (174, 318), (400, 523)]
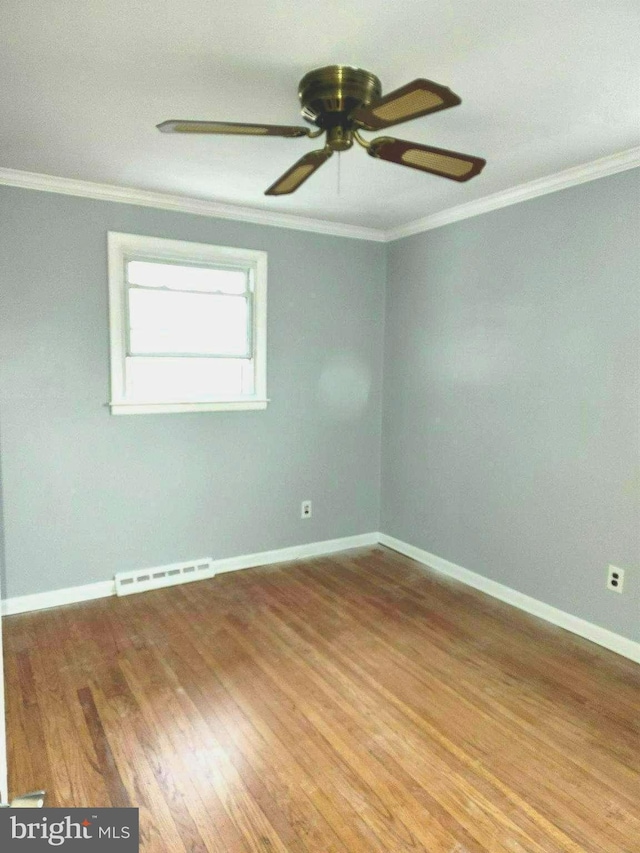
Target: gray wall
[(3, 575), (511, 438), (510, 426), (87, 494)]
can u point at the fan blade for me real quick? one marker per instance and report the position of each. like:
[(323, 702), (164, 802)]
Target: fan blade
[(437, 161), (229, 127), (299, 172), (411, 101)]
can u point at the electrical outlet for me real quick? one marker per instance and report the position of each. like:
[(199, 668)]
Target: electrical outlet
[(305, 509), (615, 579)]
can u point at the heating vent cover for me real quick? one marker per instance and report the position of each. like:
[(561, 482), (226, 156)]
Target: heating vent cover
[(171, 575)]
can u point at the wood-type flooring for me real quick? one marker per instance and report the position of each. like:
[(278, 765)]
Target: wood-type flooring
[(355, 703)]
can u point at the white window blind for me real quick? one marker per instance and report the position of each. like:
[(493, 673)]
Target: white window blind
[(188, 325)]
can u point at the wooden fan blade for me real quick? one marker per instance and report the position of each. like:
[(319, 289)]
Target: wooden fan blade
[(299, 172), (411, 101), (437, 161), (229, 127)]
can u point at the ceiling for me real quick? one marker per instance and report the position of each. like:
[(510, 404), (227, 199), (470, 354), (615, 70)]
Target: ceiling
[(545, 85)]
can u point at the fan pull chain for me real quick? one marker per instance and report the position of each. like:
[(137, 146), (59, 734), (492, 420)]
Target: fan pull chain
[(339, 155)]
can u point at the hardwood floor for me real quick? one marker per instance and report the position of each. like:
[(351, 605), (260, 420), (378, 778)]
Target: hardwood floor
[(354, 703)]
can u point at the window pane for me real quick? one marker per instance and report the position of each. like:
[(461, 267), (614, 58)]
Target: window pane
[(164, 321), (175, 277), (184, 380)]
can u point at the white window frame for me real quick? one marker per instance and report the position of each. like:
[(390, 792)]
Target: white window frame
[(124, 247)]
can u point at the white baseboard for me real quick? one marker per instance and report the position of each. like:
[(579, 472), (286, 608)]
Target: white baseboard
[(602, 636), (296, 552), (56, 597), (103, 589)]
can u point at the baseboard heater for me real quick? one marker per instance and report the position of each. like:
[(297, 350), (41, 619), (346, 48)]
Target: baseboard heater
[(139, 580)]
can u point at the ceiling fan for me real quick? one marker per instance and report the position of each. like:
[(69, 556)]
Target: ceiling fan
[(341, 101)]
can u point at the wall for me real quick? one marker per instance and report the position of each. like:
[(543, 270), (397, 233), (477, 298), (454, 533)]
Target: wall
[(4, 793), (87, 494), (511, 397), (511, 414)]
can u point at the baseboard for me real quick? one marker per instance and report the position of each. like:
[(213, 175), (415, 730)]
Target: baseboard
[(602, 636), (57, 597), (103, 589), (296, 552)]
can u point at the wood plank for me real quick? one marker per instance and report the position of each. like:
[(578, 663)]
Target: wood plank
[(454, 709), (118, 794), (351, 704), (475, 676), (276, 782)]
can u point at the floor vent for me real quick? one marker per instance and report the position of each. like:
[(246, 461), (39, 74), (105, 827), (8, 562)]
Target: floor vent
[(171, 575)]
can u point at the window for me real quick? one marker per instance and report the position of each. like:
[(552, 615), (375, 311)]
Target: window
[(188, 326)]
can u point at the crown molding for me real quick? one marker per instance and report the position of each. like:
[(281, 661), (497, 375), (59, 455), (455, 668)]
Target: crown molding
[(620, 162), (182, 204)]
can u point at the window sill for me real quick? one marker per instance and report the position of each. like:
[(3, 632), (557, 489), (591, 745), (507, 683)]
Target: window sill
[(176, 408)]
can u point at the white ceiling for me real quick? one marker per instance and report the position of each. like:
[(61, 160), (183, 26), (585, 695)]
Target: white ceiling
[(545, 85)]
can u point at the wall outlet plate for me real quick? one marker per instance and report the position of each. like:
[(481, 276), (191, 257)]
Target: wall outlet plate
[(305, 509), (615, 579)]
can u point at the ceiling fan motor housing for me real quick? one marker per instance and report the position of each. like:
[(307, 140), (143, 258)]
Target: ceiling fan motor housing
[(329, 95)]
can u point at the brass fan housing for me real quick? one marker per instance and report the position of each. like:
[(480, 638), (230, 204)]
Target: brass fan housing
[(328, 96)]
